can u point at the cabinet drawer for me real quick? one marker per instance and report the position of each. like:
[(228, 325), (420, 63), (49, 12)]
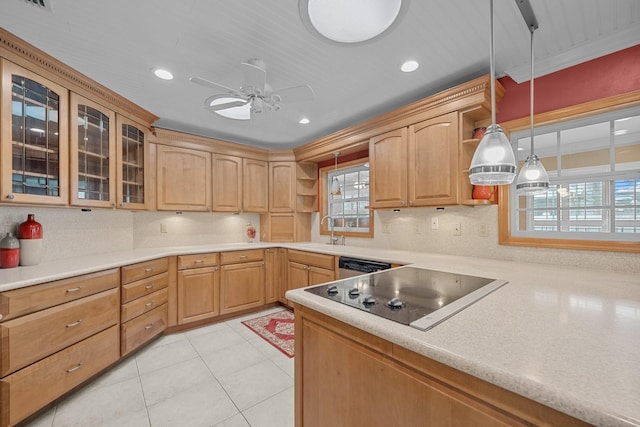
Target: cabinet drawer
[(19, 302), (31, 388), (310, 258), (30, 338), (197, 260), (143, 304), (241, 256), (141, 329), (131, 273), (144, 287)]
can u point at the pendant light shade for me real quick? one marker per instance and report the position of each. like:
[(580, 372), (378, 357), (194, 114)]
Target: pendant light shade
[(533, 178), (493, 162)]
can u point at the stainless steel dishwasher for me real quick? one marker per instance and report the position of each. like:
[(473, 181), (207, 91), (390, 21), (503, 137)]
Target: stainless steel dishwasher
[(350, 267)]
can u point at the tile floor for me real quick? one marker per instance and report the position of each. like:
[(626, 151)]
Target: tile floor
[(222, 375)]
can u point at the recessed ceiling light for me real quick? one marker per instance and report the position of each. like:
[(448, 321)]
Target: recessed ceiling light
[(163, 74), (409, 66), (304, 121), (350, 22)]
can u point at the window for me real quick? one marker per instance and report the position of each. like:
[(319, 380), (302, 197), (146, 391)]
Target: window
[(594, 172), (348, 209)]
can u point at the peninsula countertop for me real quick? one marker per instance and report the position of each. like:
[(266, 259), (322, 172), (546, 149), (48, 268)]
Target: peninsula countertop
[(565, 337)]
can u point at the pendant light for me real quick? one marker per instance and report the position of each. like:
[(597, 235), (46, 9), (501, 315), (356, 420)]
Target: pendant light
[(493, 162), (335, 184), (533, 178)]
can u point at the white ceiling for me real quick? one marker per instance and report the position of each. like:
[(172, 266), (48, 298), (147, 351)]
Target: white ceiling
[(119, 42)]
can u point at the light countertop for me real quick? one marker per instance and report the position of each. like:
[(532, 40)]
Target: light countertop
[(565, 337)]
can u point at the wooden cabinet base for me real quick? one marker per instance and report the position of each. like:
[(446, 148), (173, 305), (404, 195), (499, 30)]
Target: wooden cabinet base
[(346, 377), (141, 329), (31, 388)]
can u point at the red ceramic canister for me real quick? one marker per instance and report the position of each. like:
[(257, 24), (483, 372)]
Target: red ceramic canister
[(9, 251), (30, 235)]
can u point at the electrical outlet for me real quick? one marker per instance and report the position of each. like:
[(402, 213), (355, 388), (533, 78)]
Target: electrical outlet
[(457, 229), (434, 223), (163, 228), (484, 230)]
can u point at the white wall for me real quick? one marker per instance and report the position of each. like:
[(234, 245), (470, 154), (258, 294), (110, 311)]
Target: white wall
[(410, 230)]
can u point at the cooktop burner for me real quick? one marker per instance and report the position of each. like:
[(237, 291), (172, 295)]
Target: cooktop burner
[(413, 296)]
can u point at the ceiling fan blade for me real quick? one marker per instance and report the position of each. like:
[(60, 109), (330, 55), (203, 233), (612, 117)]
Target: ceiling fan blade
[(254, 76), (224, 106), (296, 94), (218, 86)]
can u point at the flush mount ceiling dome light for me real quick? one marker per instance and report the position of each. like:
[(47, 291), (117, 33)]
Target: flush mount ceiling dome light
[(353, 21)]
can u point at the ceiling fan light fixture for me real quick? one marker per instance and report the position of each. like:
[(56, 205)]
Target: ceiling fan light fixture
[(242, 112), (350, 22)]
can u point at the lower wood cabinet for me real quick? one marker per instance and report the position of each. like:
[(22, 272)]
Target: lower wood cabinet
[(273, 274), (142, 328), (198, 294), (345, 376), (308, 269), (242, 280)]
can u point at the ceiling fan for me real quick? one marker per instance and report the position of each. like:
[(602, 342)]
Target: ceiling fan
[(254, 96)]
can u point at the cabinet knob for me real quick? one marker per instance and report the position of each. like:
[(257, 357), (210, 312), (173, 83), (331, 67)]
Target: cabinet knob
[(216, 268), (402, 203)]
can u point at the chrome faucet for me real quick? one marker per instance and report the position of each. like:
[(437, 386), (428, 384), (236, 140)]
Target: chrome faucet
[(334, 239)]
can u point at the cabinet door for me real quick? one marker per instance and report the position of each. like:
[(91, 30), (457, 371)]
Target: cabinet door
[(388, 169), (320, 275), (184, 179), (227, 183), (93, 154), (198, 294), (433, 161), (255, 186), (241, 286), (34, 154), (282, 186), (132, 170), (272, 275), (297, 275)]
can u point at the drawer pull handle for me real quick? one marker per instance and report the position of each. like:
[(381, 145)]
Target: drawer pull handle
[(198, 261), (149, 326), (150, 286), (148, 269), (149, 304), (76, 323), (243, 256), (75, 368), (76, 289)]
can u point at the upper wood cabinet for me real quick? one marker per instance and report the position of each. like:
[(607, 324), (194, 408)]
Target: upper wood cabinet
[(416, 166), (33, 129), (240, 184), (227, 183), (133, 160), (255, 186), (282, 186), (183, 179), (93, 153)]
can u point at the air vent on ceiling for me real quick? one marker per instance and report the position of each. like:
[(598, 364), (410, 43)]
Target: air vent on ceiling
[(41, 4)]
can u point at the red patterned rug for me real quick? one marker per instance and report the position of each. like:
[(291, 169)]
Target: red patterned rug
[(276, 329)]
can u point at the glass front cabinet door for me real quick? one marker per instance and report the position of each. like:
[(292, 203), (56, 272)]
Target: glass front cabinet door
[(93, 154), (33, 135), (133, 161)]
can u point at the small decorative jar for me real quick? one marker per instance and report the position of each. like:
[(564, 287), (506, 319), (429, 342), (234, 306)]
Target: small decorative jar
[(30, 235), (478, 133), (483, 192), (9, 251), (251, 233)]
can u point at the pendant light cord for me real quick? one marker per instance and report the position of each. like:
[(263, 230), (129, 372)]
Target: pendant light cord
[(532, 29), (492, 70)]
